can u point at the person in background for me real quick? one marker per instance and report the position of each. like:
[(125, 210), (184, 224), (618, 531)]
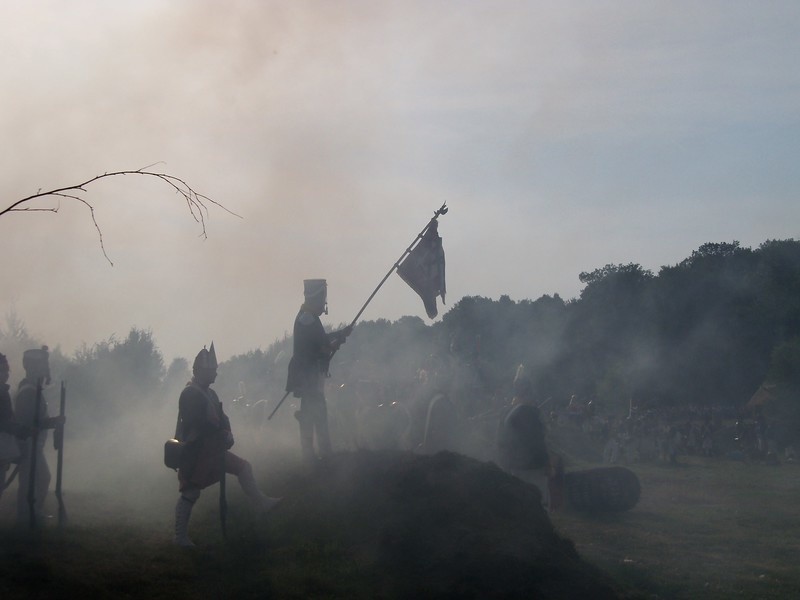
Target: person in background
[(521, 443)]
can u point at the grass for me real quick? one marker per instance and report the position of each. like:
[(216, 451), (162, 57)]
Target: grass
[(708, 528)]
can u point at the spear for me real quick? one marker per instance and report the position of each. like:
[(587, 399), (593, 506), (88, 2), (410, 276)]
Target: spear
[(441, 211)]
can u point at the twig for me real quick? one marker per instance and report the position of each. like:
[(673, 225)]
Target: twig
[(195, 202)]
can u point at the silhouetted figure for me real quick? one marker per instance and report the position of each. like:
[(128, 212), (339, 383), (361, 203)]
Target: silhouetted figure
[(521, 434), (10, 429), (37, 372), (308, 368), (521, 447), (441, 425), (206, 431)]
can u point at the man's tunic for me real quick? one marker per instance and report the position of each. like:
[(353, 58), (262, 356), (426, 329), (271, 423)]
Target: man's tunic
[(310, 360), (206, 430)]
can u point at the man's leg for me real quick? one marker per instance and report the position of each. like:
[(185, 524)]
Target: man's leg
[(42, 483), (244, 473), (305, 419), (23, 482), (183, 510), (321, 425)]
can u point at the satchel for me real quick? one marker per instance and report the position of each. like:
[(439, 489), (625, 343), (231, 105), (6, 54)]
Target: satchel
[(173, 449)]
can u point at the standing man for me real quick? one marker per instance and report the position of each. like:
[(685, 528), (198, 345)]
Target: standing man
[(8, 425), (206, 431), (37, 372), (308, 368)]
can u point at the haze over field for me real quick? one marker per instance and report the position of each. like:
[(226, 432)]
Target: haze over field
[(563, 136)]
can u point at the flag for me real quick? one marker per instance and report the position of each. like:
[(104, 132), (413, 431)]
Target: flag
[(423, 269)]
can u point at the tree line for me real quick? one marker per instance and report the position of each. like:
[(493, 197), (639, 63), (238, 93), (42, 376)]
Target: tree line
[(709, 330)]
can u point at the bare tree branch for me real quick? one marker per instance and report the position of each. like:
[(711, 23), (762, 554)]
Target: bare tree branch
[(195, 202)]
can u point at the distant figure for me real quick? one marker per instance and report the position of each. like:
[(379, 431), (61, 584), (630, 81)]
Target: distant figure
[(441, 425), (611, 450), (37, 372), (308, 368), (521, 444), (521, 435), (206, 430), (10, 429)]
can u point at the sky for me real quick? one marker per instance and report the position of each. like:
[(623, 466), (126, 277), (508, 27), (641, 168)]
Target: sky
[(563, 136)]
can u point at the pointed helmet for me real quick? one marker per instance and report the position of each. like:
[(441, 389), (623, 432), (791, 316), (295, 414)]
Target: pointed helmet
[(206, 359)]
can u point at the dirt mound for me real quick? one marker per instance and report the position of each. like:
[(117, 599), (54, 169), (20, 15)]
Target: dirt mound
[(439, 526)]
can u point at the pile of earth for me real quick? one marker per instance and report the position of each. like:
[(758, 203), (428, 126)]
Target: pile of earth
[(443, 525)]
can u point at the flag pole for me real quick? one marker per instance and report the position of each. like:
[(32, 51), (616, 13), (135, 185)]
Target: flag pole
[(441, 211)]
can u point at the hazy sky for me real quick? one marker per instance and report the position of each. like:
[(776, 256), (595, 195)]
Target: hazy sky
[(562, 135)]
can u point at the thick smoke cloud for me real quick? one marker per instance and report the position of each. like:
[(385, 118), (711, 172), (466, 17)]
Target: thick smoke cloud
[(557, 134)]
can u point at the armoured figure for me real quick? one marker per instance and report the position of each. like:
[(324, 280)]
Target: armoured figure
[(308, 368), (206, 431)]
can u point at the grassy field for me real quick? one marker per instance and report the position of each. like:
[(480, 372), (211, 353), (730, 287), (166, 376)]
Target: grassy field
[(706, 528), (703, 529)]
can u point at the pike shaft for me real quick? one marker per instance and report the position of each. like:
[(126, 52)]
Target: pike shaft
[(34, 452)]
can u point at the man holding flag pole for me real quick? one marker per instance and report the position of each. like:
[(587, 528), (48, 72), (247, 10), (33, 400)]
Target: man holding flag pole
[(421, 266), (308, 368)]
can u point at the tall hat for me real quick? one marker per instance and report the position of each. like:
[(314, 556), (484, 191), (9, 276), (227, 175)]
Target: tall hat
[(314, 288), (205, 359), (3, 361), (37, 359)]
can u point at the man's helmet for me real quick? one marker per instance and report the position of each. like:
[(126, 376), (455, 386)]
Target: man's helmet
[(205, 359), (37, 363)]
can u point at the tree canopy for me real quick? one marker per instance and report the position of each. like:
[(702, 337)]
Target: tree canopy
[(708, 330)]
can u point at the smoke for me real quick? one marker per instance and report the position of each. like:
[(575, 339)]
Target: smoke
[(554, 133), (113, 466)]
